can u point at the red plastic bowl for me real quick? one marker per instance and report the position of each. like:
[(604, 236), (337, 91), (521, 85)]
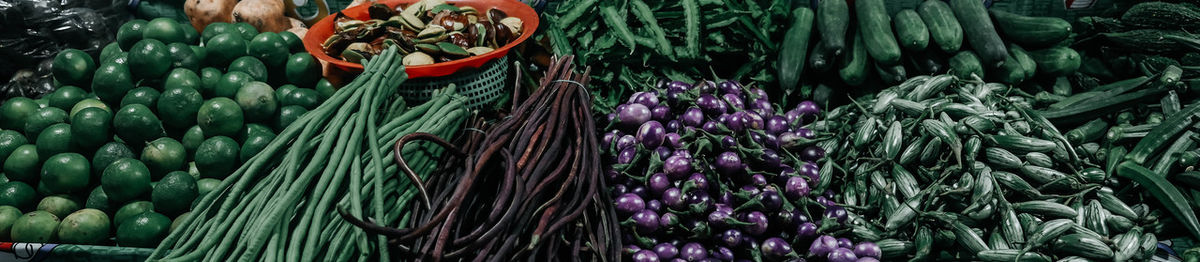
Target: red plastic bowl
[(320, 31)]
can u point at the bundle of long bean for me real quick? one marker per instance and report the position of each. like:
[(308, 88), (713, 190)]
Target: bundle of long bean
[(279, 205), (523, 193), (942, 168)]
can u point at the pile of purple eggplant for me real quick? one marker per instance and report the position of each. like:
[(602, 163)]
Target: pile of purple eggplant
[(712, 172)]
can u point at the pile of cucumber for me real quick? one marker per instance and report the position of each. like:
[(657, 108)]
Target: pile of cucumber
[(133, 136), (867, 46)]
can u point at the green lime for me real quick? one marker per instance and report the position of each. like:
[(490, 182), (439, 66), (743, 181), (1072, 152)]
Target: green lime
[(143, 96), (293, 42), (149, 59), (130, 32), (247, 30), (214, 29), (143, 230), (182, 56), (125, 179), (220, 117), (17, 194), (205, 185), (178, 106), (9, 141), (230, 83), (43, 118), (251, 66), (66, 97), (59, 205), (110, 50), (257, 100), (303, 70), (107, 154), (217, 157), (182, 78), (164, 29), (209, 78), (119, 58), (287, 115), (54, 139), (137, 124), (73, 67), (23, 164), (191, 140), (111, 82), (270, 48), (15, 111), (87, 103), (84, 227), (132, 209), (164, 155), (178, 221), (98, 200), (325, 89), (174, 193), (304, 97), (91, 127), (283, 91), (224, 48), (253, 129), (190, 36), (8, 217), (254, 144), (35, 227), (66, 173)]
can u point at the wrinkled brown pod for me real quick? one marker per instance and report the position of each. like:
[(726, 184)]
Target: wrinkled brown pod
[(460, 40), (502, 33), (494, 15)]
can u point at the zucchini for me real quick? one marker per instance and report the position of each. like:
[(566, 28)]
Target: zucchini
[(854, 63), (911, 32), (795, 47), (1056, 61), (833, 17), (1031, 31), (979, 31), (875, 26), (966, 63), (943, 26), (1162, 15)]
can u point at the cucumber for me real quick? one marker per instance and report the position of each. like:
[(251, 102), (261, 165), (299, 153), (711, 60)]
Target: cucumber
[(1056, 61), (911, 32), (928, 62), (891, 74), (1027, 64), (854, 62), (875, 26), (1011, 72), (833, 17), (1031, 31), (964, 64), (820, 58), (980, 32), (795, 47), (943, 26)]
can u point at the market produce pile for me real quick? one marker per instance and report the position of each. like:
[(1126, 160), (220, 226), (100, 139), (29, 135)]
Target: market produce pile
[(630, 43), (711, 170), (102, 156)]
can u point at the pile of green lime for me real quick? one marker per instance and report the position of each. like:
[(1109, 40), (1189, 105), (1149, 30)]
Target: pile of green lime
[(133, 138)]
